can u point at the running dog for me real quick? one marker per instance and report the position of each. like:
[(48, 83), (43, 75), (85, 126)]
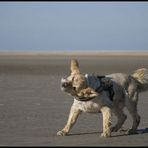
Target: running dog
[(106, 94)]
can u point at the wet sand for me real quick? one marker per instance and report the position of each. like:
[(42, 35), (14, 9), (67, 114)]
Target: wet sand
[(33, 108)]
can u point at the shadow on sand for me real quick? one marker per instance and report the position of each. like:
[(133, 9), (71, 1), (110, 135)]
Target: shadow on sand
[(125, 132), (122, 133), (87, 133)]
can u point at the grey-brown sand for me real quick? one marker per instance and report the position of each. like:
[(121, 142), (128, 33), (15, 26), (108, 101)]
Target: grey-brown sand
[(33, 108)]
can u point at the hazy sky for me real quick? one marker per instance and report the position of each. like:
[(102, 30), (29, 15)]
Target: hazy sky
[(90, 25)]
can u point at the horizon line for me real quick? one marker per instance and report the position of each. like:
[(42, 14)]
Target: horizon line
[(76, 53)]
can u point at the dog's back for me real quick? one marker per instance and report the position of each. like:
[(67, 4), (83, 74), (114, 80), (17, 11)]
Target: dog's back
[(135, 82)]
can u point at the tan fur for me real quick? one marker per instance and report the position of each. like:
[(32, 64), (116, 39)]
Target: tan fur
[(106, 112), (73, 115), (87, 93), (139, 74), (74, 67), (126, 88)]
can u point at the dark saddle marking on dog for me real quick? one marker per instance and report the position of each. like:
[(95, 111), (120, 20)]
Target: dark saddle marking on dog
[(105, 85)]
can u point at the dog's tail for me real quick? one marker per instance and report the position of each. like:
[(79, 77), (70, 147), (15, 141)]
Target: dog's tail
[(141, 75)]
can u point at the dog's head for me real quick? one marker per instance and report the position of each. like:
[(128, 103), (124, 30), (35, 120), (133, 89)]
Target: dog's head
[(76, 82)]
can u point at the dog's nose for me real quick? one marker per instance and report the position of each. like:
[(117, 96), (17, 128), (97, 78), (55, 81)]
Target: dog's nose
[(65, 84)]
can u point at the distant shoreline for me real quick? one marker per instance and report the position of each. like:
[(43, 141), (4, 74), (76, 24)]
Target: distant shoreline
[(74, 53)]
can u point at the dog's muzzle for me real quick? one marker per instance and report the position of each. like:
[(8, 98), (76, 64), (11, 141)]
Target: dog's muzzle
[(64, 83)]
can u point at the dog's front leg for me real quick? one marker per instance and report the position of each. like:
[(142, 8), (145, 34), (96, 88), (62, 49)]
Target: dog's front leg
[(73, 115), (106, 112)]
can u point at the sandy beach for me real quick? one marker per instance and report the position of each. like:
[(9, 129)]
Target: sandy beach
[(33, 108)]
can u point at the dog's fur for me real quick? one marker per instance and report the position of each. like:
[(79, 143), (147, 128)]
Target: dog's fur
[(126, 91)]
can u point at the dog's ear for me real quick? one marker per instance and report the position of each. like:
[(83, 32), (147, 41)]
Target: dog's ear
[(74, 67)]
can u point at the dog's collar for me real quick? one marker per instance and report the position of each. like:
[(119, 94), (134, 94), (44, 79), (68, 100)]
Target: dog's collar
[(83, 99)]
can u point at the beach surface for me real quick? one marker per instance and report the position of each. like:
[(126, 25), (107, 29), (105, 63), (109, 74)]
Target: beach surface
[(33, 107)]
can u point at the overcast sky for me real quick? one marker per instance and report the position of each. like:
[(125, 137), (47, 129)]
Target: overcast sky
[(45, 26)]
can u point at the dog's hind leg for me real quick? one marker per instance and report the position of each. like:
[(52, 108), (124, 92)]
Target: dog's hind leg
[(73, 115), (121, 117), (132, 108)]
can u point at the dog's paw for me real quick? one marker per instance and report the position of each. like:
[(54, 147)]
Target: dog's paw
[(105, 135), (61, 133), (132, 132)]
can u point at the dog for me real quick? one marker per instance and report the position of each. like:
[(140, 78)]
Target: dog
[(88, 97)]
